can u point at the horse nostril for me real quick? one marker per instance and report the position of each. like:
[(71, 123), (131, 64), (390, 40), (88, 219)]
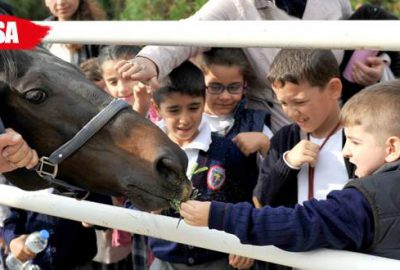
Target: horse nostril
[(167, 168)]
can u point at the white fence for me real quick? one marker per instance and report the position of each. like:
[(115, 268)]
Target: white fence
[(381, 35), (166, 228)]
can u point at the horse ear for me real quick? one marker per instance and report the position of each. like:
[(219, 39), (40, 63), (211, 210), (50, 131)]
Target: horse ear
[(26, 179)]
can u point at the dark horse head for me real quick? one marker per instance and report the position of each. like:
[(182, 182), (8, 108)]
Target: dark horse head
[(48, 101)]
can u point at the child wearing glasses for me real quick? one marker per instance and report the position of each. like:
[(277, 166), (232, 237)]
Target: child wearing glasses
[(222, 172), (227, 75)]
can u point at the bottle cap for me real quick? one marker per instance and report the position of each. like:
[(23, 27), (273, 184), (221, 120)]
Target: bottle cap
[(44, 234)]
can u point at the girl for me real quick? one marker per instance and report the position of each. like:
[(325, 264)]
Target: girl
[(227, 75), (133, 92)]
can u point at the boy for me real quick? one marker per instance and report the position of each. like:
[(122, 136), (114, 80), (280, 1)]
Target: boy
[(305, 158), (221, 174), (364, 216)]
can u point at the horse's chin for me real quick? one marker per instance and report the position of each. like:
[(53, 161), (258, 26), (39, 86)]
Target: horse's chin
[(147, 201)]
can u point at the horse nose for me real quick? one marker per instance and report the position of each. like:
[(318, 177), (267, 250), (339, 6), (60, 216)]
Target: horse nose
[(173, 171), (165, 166)]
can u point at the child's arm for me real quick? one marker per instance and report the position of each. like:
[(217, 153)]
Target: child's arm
[(15, 152), (142, 94), (251, 142), (343, 221), (275, 172)]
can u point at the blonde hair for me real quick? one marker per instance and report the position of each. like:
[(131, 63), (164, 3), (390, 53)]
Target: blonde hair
[(376, 108)]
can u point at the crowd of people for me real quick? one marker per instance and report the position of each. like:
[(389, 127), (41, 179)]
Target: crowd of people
[(285, 146)]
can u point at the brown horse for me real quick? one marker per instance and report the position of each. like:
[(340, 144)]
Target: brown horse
[(49, 101)]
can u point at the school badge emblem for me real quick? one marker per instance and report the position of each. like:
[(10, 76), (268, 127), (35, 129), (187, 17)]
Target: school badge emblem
[(215, 177)]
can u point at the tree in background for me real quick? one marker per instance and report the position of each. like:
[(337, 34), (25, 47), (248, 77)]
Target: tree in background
[(113, 8), (160, 9), (389, 5), (29, 9)]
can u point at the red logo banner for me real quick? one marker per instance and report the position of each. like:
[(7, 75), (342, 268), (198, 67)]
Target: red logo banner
[(20, 34)]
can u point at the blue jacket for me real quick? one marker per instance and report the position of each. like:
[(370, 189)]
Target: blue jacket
[(69, 245), (343, 221)]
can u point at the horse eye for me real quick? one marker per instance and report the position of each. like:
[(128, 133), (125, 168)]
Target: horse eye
[(35, 96)]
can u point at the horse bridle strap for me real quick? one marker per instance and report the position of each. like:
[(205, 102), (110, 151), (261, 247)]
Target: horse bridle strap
[(47, 167)]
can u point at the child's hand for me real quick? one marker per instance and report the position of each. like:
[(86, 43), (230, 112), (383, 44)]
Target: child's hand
[(19, 250), (305, 152), (251, 142), (195, 212), (240, 262), (142, 94), (15, 152)]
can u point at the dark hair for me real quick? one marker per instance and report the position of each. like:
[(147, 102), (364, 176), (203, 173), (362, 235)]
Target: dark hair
[(317, 67), (117, 52), (228, 57), (91, 69), (89, 10), (372, 12), (186, 79)]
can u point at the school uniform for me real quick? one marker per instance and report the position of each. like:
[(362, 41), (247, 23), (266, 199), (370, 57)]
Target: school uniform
[(226, 179), (279, 184), (363, 217)]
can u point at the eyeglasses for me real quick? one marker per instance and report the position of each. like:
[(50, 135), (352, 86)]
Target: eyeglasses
[(218, 88)]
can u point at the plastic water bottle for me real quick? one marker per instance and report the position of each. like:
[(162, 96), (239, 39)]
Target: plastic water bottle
[(35, 242)]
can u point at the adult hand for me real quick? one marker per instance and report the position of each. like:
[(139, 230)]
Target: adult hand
[(195, 212), (305, 152), (369, 73), (139, 69), (240, 262), (15, 152), (20, 250)]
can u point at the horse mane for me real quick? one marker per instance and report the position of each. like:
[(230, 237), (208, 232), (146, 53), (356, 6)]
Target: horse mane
[(13, 64)]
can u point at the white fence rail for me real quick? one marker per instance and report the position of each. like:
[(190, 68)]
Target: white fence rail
[(166, 228), (381, 35)]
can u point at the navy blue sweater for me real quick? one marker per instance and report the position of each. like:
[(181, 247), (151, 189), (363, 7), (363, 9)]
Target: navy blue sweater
[(70, 244), (343, 221)]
